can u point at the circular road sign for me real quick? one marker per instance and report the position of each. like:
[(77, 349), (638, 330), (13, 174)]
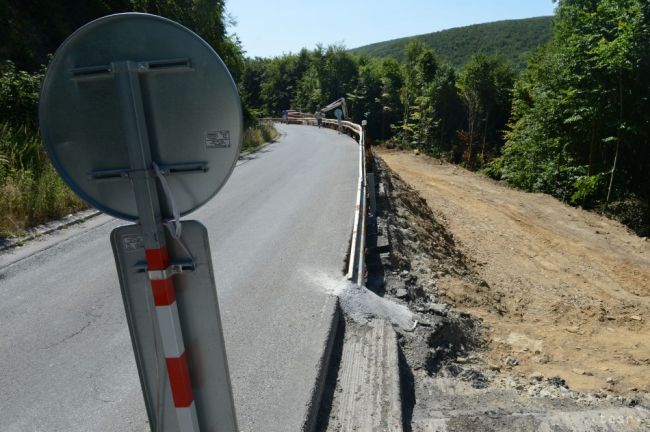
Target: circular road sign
[(190, 102)]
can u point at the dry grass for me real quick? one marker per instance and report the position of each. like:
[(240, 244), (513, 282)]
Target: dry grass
[(31, 192), (256, 136), (28, 200)]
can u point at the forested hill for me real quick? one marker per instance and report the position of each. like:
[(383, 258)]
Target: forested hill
[(514, 39)]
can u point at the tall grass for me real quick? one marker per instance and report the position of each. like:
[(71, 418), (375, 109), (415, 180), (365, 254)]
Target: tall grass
[(255, 136), (31, 192)]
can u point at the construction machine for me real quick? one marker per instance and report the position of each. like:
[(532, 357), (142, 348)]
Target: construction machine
[(337, 103)]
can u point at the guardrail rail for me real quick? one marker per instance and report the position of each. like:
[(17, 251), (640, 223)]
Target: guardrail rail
[(356, 266)]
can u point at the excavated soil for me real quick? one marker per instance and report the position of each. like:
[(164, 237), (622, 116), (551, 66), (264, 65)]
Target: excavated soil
[(504, 339), (554, 291)]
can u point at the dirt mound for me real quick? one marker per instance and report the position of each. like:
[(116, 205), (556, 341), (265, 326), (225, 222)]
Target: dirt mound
[(466, 364), (561, 292)]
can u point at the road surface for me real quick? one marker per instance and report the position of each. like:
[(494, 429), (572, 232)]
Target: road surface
[(66, 362)]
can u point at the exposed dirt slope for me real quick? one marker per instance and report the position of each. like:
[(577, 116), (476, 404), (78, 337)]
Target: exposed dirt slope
[(566, 292)]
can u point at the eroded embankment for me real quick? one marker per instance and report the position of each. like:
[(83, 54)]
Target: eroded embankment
[(451, 374), (566, 292)]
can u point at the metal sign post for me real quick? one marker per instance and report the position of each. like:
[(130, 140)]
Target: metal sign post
[(198, 313), (157, 255), (142, 119)]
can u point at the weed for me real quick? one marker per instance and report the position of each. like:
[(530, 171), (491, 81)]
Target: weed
[(31, 192), (255, 136)]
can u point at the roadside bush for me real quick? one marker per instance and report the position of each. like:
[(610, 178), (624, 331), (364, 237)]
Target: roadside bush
[(255, 136), (19, 91), (588, 188), (29, 199), (31, 192), (632, 212)]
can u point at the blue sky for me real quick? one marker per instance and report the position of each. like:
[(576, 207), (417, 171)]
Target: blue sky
[(271, 28)]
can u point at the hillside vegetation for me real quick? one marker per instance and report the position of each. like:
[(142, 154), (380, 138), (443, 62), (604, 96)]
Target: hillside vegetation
[(573, 123), (513, 39)]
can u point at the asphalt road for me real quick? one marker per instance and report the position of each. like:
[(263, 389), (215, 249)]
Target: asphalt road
[(280, 226)]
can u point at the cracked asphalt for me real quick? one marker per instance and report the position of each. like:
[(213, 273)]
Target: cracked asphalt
[(66, 361)]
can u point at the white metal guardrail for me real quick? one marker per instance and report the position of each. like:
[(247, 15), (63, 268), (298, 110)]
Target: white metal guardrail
[(356, 266)]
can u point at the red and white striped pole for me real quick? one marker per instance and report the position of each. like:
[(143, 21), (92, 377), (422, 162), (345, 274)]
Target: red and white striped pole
[(164, 295), (158, 263)]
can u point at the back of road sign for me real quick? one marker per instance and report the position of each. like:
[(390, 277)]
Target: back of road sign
[(198, 310), (191, 107)]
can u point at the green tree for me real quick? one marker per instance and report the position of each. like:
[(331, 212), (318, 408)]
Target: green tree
[(308, 93), (279, 84), (205, 17), (366, 98), (30, 30), (338, 72), (486, 89), (19, 92), (419, 69), (390, 98), (446, 109), (581, 118), (250, 82)]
